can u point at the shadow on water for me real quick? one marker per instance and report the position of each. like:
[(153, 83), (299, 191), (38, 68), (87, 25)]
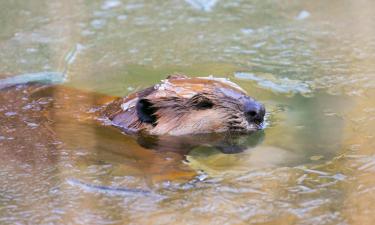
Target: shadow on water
[(227, 143), (165, 161)]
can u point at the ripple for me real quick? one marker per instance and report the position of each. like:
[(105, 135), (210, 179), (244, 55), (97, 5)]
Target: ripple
[(43, 77), (283, 85)]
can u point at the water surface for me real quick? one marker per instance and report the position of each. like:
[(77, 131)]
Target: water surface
[(310, 63)]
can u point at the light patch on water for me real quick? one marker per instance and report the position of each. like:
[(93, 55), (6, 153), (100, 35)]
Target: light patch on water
[(31, 50), (35, 37), (98, 23), (303, 15), (122, 17), (103, 14), (133, 6), (283, 85), (247, 31), (9, 114), (203, 5), (322, 173), (109, 4), (259, 44), (87, 32), (369, 164), (32, 125)]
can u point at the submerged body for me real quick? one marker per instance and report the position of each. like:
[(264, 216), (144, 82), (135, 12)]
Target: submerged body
[(51, 119)]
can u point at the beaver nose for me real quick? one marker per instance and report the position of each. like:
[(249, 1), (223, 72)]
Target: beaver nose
[(254, 111)]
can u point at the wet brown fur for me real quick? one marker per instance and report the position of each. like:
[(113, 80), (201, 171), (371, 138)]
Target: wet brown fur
[(40, 122), (181, 105)]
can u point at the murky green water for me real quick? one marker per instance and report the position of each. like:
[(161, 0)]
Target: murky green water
[(312, 63)]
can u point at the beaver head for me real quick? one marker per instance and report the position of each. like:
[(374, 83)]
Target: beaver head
[(180, 105)]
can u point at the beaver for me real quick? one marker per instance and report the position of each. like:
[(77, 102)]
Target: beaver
[(162, 123), (180, 105)]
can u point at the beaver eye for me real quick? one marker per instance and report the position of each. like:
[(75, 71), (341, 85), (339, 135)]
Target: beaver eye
[(204, 104), (201, 102), (146, 111)]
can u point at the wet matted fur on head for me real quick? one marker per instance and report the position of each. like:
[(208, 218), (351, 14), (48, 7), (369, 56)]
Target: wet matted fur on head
[(180, 105)]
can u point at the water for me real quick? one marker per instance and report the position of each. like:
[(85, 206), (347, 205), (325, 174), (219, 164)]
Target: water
[(310, 63)]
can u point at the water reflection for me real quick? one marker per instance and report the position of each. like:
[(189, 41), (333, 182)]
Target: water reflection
[(227, 143)]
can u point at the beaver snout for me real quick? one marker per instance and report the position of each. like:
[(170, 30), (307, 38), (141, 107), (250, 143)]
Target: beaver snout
[(254, 111)]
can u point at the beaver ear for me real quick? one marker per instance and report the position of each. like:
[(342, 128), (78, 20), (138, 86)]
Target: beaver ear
[(146, 111), (176, 76), (201, 102)]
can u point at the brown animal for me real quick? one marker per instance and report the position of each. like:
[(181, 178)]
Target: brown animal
[(39, 121), (180, 105)]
